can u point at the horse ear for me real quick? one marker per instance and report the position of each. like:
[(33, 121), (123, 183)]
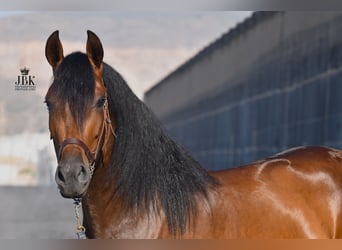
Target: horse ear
[(54, 50), (94, 49)]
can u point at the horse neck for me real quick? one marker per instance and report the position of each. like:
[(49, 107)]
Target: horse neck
[(100, 209), (98, 197), (105, 217)]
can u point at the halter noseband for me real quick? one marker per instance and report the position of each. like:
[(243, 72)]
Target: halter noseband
[(91, 155)]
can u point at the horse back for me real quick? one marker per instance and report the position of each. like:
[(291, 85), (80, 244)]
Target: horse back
[(294, 194)]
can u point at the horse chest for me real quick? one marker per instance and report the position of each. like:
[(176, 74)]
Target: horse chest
[(107, 224)]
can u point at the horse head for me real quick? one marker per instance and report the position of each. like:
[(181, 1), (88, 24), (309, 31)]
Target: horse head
[(79, 120)]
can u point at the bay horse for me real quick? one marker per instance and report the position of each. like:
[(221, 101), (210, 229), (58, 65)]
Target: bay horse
[(136, 182)]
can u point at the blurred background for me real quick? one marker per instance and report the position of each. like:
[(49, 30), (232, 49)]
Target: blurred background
[(144, 46), (271, 83)]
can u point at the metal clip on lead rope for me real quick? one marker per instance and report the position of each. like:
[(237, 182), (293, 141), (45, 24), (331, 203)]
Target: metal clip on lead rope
[(80, 229)]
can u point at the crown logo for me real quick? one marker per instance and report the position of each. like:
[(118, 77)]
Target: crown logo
[(24, 71)]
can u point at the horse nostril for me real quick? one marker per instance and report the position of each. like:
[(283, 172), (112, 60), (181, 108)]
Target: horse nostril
[(67, 176), (60, 176), (82, 175)]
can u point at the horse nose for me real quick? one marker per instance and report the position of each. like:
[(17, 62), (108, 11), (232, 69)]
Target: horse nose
[(60, 176), (82, 175), (68, 174)]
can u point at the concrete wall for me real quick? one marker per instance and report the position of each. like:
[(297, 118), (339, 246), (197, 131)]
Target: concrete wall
[(271, 83)]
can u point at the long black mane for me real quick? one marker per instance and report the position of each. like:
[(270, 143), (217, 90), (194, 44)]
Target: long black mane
[(150, 170), (147, 164)]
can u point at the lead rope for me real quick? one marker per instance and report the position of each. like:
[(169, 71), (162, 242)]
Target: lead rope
[(80, 229)]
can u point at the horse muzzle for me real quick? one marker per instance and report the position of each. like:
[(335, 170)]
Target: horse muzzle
[(73, 178)]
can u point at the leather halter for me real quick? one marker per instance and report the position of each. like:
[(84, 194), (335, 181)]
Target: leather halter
[(91, 155)]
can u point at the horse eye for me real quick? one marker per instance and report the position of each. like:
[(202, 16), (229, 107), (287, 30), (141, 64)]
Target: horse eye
[(101, 102)]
